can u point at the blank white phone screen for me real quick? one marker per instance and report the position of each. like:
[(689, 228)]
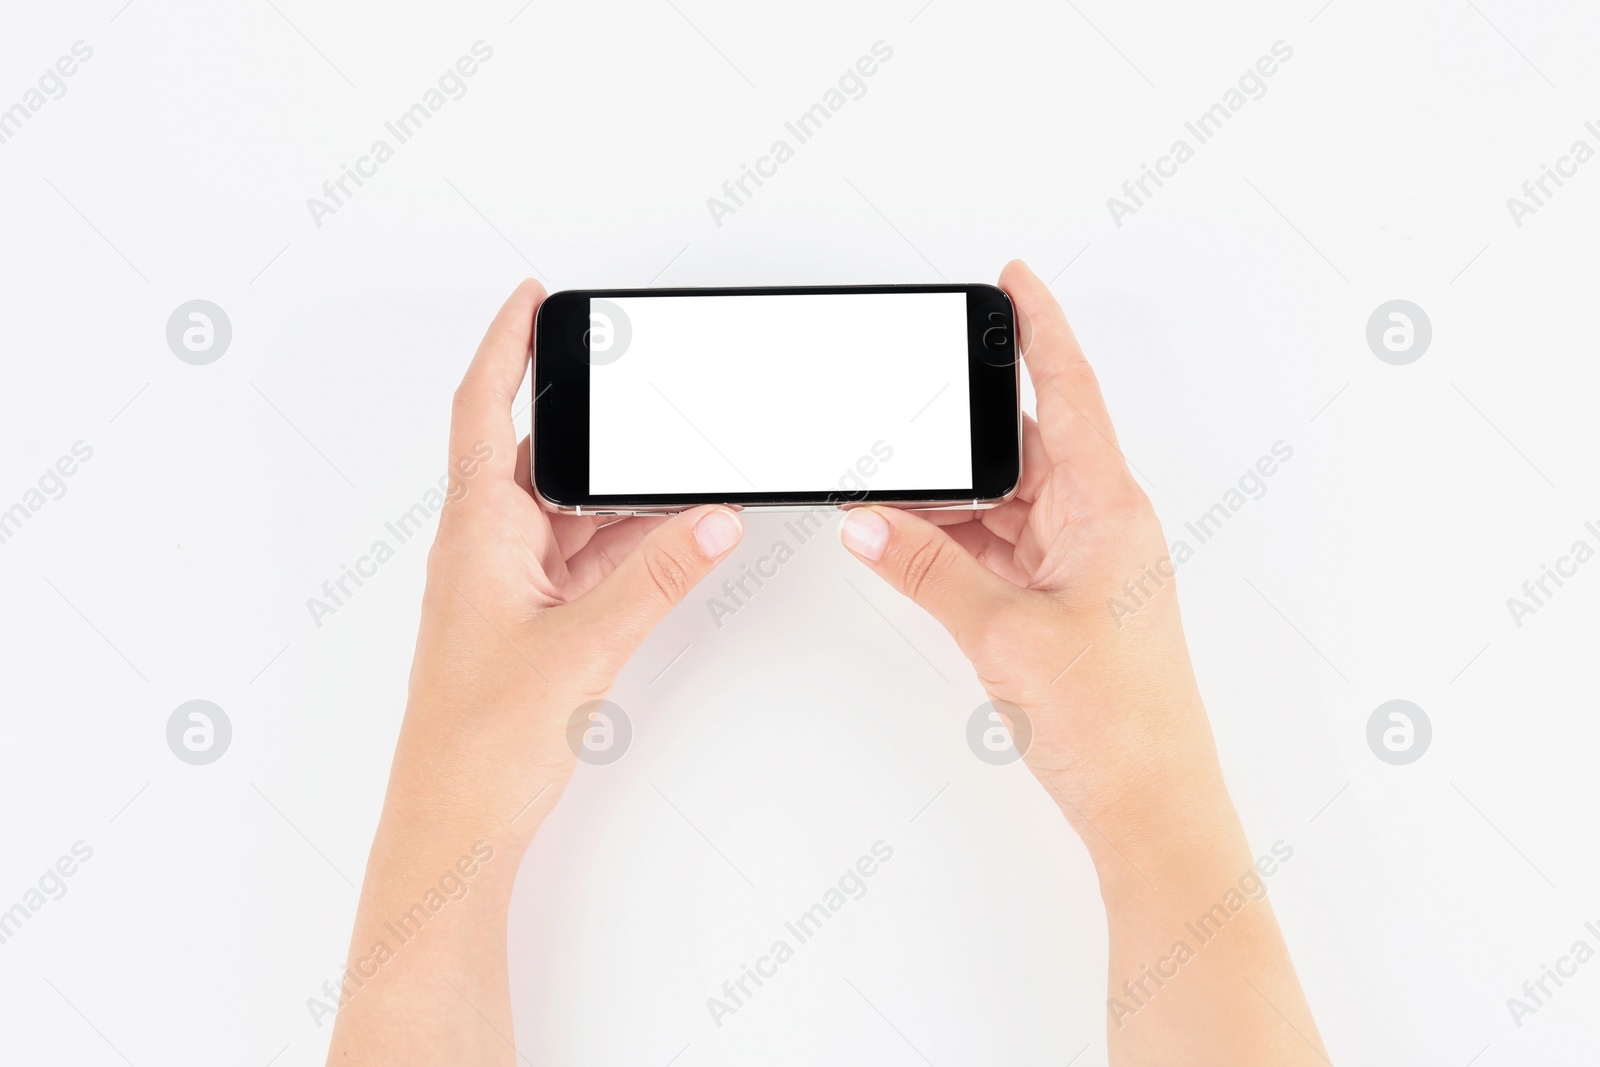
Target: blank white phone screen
[(770, 393)]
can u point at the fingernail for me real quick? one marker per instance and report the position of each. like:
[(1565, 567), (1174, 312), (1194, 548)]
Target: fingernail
[(717, 531), (864, 532)]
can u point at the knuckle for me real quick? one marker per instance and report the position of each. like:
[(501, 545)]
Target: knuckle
[(924, 566), (459, 517), (1128, 503), (1083, 377), (668, 575)]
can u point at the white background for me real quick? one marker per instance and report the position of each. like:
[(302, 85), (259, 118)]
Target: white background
[(783, 393), (1227, 314)]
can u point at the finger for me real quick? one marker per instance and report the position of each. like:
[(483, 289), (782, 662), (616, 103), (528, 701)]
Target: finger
[(986, 516), (921, 561), (1073, 423), (946, 518), (1005, 519), (481, 414), (1008, 520), (573, 532), (524, 473), (1035, 461), (654, 577), (599, 556), (989, 549)]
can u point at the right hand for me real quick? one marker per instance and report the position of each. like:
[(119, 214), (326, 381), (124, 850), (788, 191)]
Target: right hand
[(1030, 592)]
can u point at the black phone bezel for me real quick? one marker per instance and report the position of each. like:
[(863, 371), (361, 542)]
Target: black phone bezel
[(560, 412)]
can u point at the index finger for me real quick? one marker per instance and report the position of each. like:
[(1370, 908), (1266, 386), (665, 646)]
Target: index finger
[(481, 413), (1073, 423)]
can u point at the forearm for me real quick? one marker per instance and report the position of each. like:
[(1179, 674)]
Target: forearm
[(1199, 972), (526, 620), (425, 979)]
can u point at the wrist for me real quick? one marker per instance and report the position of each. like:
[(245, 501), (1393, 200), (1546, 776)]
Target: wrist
[(456, 778), (1173, 861), (1158, 823), (438, 834), (454, 868)]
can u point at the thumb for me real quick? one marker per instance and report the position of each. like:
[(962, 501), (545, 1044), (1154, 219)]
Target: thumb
[(657, 575), (921, 561)]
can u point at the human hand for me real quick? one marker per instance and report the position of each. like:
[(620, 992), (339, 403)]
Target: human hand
[(1030, 591), (525, 618), (1063, 599), (526, 615)]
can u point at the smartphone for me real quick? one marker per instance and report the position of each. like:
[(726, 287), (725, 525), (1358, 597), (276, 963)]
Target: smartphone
[(655, 400)]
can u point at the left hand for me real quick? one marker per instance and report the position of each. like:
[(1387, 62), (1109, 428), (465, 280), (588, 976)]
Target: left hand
[(526, 615)]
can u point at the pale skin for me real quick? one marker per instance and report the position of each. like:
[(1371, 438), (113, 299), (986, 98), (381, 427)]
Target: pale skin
[(527, 616)]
